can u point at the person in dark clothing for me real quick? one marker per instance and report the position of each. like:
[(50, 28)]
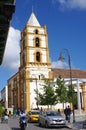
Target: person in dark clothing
[(59, 111), (5, 116), (5, 112), (67, 113)]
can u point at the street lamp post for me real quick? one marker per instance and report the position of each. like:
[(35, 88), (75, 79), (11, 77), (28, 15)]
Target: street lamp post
[(69, 62)]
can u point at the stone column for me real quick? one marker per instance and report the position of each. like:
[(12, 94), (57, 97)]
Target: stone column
[(27, 92), (83, 87), (78, 95)]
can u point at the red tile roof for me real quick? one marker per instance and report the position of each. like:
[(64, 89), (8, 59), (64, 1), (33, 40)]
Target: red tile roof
[(65, 73)]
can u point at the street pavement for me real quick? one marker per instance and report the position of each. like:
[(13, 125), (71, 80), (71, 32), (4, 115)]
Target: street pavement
[(78, 124), (4, 127), (13, 123)]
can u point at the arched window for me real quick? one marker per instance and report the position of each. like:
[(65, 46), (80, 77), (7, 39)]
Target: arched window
[(36, 31), (37, 42), (38, 56)]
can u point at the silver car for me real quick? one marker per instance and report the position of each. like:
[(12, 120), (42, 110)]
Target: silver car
[(51, 119)]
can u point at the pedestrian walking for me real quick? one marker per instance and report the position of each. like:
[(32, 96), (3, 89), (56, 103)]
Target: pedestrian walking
[(59, 111), (67, 113), (5, 116), (14, 113)]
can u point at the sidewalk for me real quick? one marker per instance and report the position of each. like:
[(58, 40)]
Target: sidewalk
[(13, 123), (78, 125)]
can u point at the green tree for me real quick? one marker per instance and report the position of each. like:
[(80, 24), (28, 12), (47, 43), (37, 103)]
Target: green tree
[(47, 96), (1, 110), (75, 100), (70, 93), (61, 91)]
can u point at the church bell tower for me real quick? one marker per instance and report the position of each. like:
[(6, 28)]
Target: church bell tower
[(34, 59)]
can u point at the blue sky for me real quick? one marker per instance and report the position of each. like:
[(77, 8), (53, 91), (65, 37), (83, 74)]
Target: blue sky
[(66, 28)]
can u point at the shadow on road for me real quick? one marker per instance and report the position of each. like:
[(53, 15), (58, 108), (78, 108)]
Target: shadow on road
[(15, 128)]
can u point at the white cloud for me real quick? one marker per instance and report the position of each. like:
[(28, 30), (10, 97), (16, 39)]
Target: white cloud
[(72, 4), (59, 64), (62, 64), (12, 49), (11, 58)]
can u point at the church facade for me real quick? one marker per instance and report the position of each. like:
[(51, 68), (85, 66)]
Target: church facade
[(34, 63)]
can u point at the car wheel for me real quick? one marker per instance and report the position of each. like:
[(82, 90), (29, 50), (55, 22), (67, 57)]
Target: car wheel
[(29, 120), (40, 124), (46, 124)]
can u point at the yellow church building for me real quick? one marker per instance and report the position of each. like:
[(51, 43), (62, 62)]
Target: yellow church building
[(35, 62)]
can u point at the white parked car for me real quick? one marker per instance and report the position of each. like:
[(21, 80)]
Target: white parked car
[(51, 119)]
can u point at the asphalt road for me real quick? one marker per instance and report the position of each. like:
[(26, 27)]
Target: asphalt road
[(14, 125), (35, 126)]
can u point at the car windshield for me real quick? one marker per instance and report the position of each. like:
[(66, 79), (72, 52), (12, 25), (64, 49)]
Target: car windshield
[(35, 112), (53, 113)]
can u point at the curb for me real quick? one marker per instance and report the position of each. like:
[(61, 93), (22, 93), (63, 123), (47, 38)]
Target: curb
[(69, 126)]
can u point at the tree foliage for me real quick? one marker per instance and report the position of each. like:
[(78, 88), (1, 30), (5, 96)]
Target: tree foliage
[(1, 110), (72, 95), (61, 90), (47, 96), (51, 95), (69, 93)]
